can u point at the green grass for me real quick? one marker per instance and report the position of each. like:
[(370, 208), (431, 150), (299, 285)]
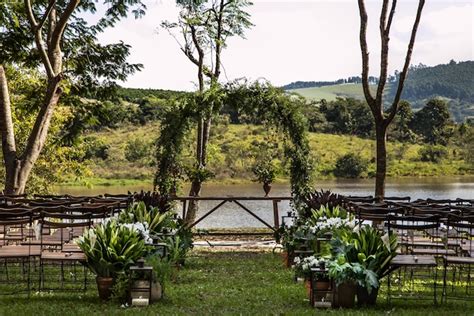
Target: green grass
[(330, 93), (220, 283)]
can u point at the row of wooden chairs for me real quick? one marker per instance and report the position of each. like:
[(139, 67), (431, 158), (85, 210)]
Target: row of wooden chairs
[(38, 233), (436, 238)]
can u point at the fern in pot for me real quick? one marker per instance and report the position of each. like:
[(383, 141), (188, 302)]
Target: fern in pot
[(110, 249)]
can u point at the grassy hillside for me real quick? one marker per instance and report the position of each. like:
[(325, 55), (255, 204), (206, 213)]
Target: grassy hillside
[(234, 147), (452, 82), (351, 90)]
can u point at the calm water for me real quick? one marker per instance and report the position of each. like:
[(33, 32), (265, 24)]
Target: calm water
[(231, 216)]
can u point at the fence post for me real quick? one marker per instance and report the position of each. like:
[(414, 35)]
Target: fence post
[(276, 215), (184, 209)]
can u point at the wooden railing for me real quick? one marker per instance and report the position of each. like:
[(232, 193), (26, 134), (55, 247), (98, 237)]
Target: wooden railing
[(237, 200)]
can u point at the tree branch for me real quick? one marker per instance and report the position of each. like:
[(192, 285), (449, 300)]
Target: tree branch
[(61, 25), (403, 74), (365, 55), (29, 13), (390, 17), (39, 40), (47, 13), (384, 39), (217, 70)]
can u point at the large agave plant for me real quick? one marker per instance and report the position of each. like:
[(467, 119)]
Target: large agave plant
[(111, 248), (367, 246)]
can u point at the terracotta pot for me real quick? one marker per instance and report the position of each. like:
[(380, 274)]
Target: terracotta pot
[(307, 285), (345, 295), (267, 187), (364, 298), (288, 258), (104, 287)]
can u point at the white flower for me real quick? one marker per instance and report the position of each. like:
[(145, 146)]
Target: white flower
[(37, 229), (386, 240)]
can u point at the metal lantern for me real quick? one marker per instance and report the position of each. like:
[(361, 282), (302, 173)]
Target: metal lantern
[(140, 284), (322, 289)]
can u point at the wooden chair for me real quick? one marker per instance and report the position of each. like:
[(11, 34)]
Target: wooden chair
[(409, 264), (16, 258), (63, 256), (463, 226)]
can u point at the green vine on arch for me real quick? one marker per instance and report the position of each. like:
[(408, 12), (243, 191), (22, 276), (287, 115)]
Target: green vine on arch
[(260, 100), (276, 108)]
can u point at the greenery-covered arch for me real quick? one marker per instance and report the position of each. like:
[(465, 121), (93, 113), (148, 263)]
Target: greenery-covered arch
[(259, 100)]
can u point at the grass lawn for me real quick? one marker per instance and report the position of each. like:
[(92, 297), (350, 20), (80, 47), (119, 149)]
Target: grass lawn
[(330, 93), (220, 283)]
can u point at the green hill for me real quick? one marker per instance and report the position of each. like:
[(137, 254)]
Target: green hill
[(233, 147), (453, 81), (331, 92)]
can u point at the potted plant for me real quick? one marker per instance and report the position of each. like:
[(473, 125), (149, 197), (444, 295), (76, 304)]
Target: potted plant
[(373, 252), (303, 269), (110, 249), (344, 275), (265, 173), (293, 238)]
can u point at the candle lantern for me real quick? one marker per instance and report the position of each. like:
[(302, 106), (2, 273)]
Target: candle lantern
[(322, 287), (140, 284), (288, 219)]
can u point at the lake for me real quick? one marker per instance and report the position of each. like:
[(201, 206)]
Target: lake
[(231, 216)]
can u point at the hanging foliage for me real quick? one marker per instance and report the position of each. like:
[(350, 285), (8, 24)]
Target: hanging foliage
[(269, 105), (277, 109), (175, 128)]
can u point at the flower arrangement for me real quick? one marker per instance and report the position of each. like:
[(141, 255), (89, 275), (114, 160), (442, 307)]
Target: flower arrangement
[(303, 266), (328, 219)]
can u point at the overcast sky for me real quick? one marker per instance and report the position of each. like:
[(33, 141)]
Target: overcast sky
[(299, 40)]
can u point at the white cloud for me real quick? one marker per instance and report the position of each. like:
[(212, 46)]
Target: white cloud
[(299, 40)]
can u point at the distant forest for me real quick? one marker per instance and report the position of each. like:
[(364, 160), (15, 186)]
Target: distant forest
[(453, 81), (317, 84)]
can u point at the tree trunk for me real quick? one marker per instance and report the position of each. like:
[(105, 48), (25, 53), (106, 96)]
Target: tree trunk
[(18, 168), (381, 158), (193, 207)]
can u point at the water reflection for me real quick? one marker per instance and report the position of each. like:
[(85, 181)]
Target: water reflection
[(231, 216)]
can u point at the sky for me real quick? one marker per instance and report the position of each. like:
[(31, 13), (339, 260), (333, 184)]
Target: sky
[(312, 40)]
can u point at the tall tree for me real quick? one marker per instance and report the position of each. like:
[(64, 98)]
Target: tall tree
[(382, 120), (204, 28), (432, 122), (51, 33)]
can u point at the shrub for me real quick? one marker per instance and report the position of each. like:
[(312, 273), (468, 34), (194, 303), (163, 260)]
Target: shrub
[(433, 153), (136, 149), (350, 166), (96, 148)]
